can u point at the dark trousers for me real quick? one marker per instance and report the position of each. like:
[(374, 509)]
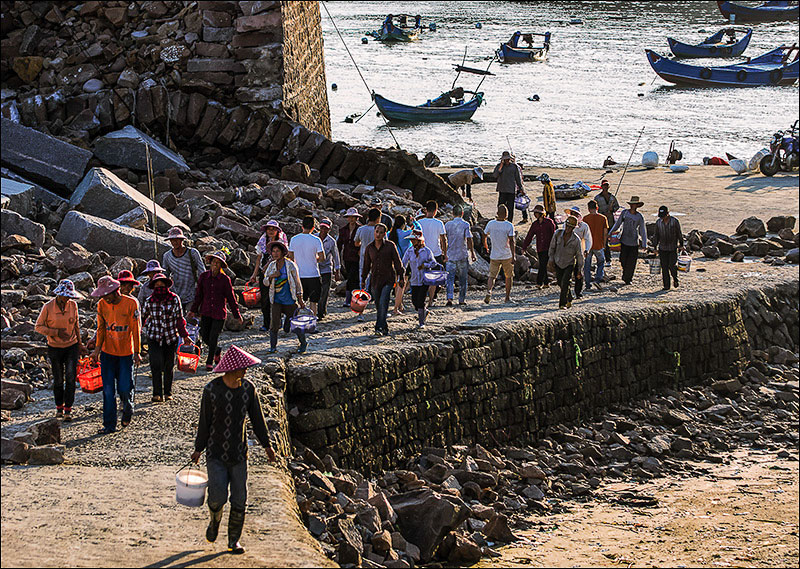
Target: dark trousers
[(628, 256), (265, 308), (64, 364), (287, 310), (162, 366), (382, 297), (210, 329), (322, 307), (563, 278), (669, 266), (541, 276), (578, 281), (507, 199), (352, 276), (222, 476)]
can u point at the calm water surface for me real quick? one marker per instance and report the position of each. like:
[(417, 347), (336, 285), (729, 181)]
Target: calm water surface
[(589, 88)]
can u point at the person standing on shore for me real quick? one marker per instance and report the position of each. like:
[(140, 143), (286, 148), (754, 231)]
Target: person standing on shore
[(436, 240), (327, 268), (225, 404), (382, 263), (459, 242), (543, 229), (463, 179), (306, 250), (348, 251), (667, 239), (151, 268), (364, 236), (285, 293), (585, 235), (59, 323), (501, 233), (183, 265), (565, 255), (548, 196), (598, 225), (634, 237), (509, 180), (418, 257), (607, 205), (117, 349), (270, 232), (384, 219)]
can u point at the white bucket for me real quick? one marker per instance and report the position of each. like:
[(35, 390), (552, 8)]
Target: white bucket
[(655, 266), (684, 263), (190, 487), (756, 159)]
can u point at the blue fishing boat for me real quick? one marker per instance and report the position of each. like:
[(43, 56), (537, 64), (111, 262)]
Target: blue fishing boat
[(430, 111), (390, 32), (713, 46), (772, 68), (776, 11), (511, 52)]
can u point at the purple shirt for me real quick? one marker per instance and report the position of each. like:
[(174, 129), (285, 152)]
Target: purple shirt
[(543, 230), (419, 261), (212, 294)]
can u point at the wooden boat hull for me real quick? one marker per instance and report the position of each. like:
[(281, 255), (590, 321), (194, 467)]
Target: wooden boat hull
[(398, 35), (759, 13), (758, 72), (508, 54), (681, 49), (423, 113)]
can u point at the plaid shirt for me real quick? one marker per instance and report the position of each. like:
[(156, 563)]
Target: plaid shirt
[(163, 321)]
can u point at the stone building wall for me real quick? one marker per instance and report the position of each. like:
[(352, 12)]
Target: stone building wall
[(506, 384)]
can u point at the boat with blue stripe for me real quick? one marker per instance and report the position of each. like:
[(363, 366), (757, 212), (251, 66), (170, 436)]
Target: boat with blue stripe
[(512, 52), (713, 46), (429, 111), (775, 11)]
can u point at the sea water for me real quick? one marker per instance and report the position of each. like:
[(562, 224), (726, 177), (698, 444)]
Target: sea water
[(596, 90)]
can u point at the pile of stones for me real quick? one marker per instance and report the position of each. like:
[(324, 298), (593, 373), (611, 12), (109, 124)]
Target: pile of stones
[(775, 243)]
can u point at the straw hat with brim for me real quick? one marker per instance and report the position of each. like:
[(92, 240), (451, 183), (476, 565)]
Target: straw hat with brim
[(574, 210), (152, 267), (280, 245), (571, 222), (66, 288), (234, 359), (271, 223), (219, 255), (538, 207), (159, 277), (635, 201), (417, 236), (352, 212), (126, 276), (506, 155), (105, 285), (176, 233)]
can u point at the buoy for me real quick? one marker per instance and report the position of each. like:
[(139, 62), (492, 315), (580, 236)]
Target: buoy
[(334, 86), (533, 98), (640, 95), (478, 25), (364, 40), (650, 159), (432, 26)]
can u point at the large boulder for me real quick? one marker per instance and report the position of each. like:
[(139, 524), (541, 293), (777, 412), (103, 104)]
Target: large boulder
[(47, 432), (126, 148), (14, 223), (103, 194), (41, 157), (97, 234), (775, 224), (425, 518), (752, 227), (18, 196), (47, 197), (46, 454), (12, 451)]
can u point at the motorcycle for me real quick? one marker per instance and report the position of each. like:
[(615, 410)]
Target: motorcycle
[(784, 152)]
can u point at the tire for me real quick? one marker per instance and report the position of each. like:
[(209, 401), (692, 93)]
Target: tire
[(705, 73), (775, 75), (741, 75), (766, 166)]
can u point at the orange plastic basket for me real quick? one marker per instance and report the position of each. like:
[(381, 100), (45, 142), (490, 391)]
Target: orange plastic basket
[(187, 361), (89, 377), (360, 300), (252, 296)]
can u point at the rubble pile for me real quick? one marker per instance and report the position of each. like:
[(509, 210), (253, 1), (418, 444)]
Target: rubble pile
[(775, 243), (454, 505)]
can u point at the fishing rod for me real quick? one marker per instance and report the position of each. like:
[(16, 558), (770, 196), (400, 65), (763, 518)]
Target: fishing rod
[(628, 162), (459, 68)]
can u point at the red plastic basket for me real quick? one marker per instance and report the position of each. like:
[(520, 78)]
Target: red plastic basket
[(187, 361), (614, 243), (252, 296), (359, 301), (89, 377)]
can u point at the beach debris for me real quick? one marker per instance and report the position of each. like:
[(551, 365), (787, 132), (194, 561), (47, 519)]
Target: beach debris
[(650, 159), (738, 165)]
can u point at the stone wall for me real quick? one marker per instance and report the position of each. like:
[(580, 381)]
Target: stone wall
[(508, 383)]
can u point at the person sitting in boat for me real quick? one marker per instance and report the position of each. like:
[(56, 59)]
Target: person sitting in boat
[(417, 21), (528, 39), (449, 99), (547, 40), (731, 33), (402, 21), (388, 25), (514, 39)]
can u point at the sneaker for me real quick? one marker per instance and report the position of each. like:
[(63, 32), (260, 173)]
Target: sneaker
[(302, 349), (487, 299), (59, 413), (675, 283), (378, 333), (449, 303), (569, 304), (421, 326), (168, 398), (157, 399), (67, 416), (272, 350), (105, 431)]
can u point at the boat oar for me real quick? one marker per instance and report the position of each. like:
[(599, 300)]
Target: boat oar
[(364, 113), (628, 162)]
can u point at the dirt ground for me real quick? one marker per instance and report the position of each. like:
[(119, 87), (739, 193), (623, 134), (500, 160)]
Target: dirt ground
[(740, 514)]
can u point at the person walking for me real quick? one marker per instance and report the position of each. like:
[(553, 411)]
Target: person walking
[(285, 293), (349, 253), (598, 226), (58, 321), (585, 235), (306, 250), (436, 240), (548, 196), (667, 239), (542, 228), (463, 179), (501, 234), (607, 205), (400, 234), (117, 349), (366, 235), (382, 264), (151, 268), (385, 219), (327, 268), (418, 257), (183, 264), (163, 324), (459, 243), (214, 290), (565, 254), (225, 404), (634, 237), (509, 180), (127, 283), (270, 232)]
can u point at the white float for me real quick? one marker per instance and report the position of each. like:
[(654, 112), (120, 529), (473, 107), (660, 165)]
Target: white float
[(650, 160)]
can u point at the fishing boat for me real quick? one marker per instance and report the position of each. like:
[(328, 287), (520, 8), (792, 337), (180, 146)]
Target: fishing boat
[(776, 11), (713, 46), (429, 111), (768, 69), (511, 52), (390, 32)]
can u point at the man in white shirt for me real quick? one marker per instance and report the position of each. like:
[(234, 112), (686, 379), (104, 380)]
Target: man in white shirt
[(501, 234), (583, 232), (436, 240), (307, 252)]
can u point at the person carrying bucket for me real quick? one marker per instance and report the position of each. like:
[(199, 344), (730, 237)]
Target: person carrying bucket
[(667, 238), (163, 323), (382, 264), (419, 258), (349, 252), (282, 277), (226, 402)]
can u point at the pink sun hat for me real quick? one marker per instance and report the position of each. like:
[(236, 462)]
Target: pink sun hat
[(105, 285), (352, 212), (236, 358)]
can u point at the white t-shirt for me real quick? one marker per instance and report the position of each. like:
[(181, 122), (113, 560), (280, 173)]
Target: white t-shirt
[(499, 232), (305, 248), (432, 228)]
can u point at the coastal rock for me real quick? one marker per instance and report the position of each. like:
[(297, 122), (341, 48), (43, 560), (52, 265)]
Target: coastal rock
[(14, 223), (497, 529), (47, 454), (12, 399), (775, 224), (711, 251), (461, 550), (96, 234), (752, 227), (351, 544), (793, 256), (425, 517), (46, 432), (13, 451), (126, 147)]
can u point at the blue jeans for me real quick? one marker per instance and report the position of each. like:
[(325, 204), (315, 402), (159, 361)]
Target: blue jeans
[(117, 374), (600, 255), (458, 269), (220, 477), (382, 298)]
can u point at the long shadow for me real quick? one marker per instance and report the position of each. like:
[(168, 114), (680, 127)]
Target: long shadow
[(757, 182), (173, 560)]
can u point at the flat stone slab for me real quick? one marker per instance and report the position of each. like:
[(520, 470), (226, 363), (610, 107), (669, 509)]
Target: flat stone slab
[(126, 148), (98, 234), (39, 193), (104, 195), (14, 223), (42, 158), (17, 196)]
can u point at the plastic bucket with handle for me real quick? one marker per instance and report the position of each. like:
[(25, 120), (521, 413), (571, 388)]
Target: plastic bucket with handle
[(190, 487), (655, 265), (252, 296), (684, 263), (188, 357), (89, 377), (360, 300), (303, 321)]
